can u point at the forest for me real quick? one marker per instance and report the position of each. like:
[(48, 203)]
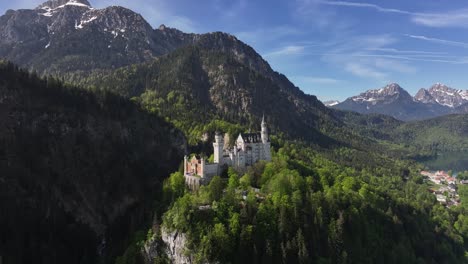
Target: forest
[(303, 208)]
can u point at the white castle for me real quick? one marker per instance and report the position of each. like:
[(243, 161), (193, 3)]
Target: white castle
[(248, 149)]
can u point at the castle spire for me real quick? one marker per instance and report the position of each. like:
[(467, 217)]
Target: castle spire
[(264, 132)]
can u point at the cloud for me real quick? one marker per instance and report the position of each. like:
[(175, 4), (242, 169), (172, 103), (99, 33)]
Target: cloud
[(267, 35), (456, 18), (394, 65), (412, 52), (315, 80), (288, 50), (439, 41), (365, 5), (230, 9), (368, 57), (362, 70)]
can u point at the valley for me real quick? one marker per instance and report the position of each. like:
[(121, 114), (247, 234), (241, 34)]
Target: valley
[(93, 140)]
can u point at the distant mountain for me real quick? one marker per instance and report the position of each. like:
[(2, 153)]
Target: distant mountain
[(395, 101), (390, 100), (443, 95), (331, 103)]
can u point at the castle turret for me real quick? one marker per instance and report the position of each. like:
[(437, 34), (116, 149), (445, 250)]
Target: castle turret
[(264, 132), (265, 153), (218, 146)]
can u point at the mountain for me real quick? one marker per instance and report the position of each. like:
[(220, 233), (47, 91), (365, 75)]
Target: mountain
[(78, 171), (395, 101), (196, 84), (63, 36), (242, 86), (390, 100), (443, 95)]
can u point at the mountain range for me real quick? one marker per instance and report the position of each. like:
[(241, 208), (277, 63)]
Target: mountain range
[(82, 159), (220, 72), (393, 100)]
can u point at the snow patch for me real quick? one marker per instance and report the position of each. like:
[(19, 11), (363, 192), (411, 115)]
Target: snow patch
[(84, 22), (51, 11)]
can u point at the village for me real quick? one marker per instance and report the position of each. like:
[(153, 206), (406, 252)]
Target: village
[(445, 187)]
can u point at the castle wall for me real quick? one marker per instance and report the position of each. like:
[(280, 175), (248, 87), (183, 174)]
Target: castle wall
[(211, 170), (193, 182)]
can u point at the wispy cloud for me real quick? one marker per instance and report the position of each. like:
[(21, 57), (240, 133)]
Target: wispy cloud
[(398, 51), (316, 80), (288, 50), (364, 71), (368, 57), (233, 10), (365, 5), (456, 18), (267, 35), (439, 41)]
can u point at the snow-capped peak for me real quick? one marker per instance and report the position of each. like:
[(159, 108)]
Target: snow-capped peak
[(392, 90), (447, 96)]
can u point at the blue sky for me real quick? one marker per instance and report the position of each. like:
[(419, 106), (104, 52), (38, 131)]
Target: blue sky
[(332, 49)]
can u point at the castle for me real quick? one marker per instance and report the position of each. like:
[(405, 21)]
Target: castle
[(248, 149)]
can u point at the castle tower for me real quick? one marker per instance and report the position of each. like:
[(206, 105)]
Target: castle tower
[(218, 146), (264, 131), (266, 153)]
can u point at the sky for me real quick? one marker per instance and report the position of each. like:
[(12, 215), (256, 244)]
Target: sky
[(331, 49)]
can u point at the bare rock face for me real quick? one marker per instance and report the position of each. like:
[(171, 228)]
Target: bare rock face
[(175, 248), (424, 96), (447, 96)]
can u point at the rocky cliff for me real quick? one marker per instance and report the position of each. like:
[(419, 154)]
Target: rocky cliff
[(174, 247)]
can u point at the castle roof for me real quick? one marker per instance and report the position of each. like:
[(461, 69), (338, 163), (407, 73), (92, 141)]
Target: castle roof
[(252, 137)]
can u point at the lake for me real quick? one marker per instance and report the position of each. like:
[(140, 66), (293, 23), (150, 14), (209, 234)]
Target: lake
[(456, 161)]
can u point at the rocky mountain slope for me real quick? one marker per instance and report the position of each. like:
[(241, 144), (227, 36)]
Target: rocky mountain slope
[(230, 75), (194, 85), (78, 172), (395, 101), (442, 95), (63, 36)]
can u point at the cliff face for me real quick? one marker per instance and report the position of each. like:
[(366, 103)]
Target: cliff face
[(174, 247), (78, 172)]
